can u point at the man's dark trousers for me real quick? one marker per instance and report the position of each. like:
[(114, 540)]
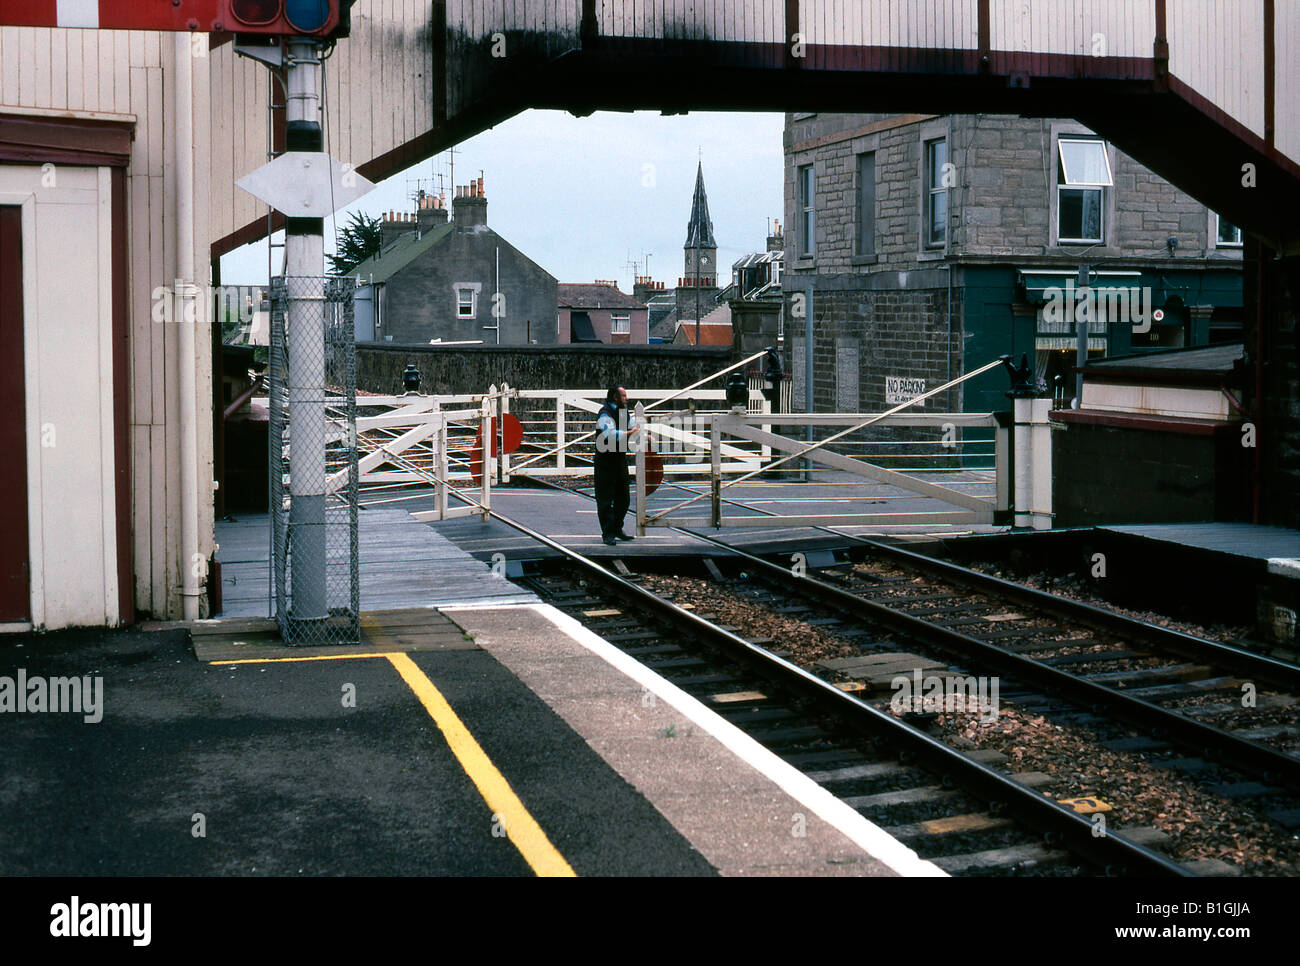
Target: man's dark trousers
[(612, 483)]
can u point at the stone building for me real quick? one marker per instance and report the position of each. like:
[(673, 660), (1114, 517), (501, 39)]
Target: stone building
[(600, 313), (453, 280), (934, 244), (754, 296)]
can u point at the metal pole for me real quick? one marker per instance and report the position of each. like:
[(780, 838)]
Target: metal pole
[(808, 399), (188, 318), (304, 259), (1081, 329)]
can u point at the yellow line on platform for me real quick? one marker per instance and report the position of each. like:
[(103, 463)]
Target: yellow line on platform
[(520, 826), (305, 657)]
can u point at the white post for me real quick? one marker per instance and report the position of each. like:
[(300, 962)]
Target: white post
[(504, 411), (640, 471), (559, 432), (495, 430), (1033, 463), (183, 117), (441, 464), (715, 469), (304, 261), (485, 435)]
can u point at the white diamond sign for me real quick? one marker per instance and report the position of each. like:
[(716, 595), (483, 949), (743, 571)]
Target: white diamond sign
[(305, 184)]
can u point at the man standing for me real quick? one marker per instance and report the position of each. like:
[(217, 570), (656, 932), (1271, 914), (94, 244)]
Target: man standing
[(614, 425)]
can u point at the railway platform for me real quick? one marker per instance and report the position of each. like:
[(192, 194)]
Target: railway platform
[(474, 731)]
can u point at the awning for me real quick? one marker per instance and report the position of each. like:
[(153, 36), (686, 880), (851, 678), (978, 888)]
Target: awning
[(1046, 343), (1037, 281)]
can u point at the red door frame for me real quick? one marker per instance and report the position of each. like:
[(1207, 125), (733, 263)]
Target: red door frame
[(15, 554)]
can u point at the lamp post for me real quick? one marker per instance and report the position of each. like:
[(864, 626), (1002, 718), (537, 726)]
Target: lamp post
[(1082, 329)]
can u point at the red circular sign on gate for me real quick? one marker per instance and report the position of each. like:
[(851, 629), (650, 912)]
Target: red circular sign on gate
[(654, 471), (514, 436)]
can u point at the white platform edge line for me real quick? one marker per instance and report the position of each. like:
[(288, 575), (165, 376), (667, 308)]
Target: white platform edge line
[(870, 837)]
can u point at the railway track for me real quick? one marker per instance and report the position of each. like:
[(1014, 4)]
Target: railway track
[(1223, 704), (1228, 710), (1178, 688), (964, 812)]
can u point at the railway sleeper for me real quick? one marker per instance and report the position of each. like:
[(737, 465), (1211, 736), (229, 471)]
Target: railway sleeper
[(1004, 858), (1170, 672), (1185, 689)]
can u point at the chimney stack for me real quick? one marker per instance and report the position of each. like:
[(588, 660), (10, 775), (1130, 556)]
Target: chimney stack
[(644, 288), (776, 240), (394, 224), (470, 205), (430, 213)]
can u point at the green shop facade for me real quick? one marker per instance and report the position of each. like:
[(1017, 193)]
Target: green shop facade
[(1033, 310)]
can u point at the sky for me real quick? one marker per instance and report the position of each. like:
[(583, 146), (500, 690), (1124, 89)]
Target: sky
[(582, 196)]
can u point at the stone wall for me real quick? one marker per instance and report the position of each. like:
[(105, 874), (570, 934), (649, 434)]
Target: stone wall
[(889, 331), (472, 369), (1002, 202)]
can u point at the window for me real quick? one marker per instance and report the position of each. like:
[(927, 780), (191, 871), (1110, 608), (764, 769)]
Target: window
[(807, 210), (936, 199), (1082, 178), (465, 303), (620, 324), (1229, 234), (865, 238)]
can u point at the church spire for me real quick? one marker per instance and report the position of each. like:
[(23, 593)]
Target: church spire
[(699, 231)]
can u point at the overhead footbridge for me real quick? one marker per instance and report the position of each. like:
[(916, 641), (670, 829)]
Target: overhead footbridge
[(1190, 88)]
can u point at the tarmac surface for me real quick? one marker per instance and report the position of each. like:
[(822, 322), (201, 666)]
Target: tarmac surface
[(283, 779)]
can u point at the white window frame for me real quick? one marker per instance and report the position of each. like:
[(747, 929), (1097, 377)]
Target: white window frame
[(1218, 240), (807, 208), (620, 324), (461, 291), (931, 174), (1065, 182)]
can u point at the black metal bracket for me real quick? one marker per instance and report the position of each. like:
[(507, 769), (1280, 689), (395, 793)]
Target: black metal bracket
[(1024, 384)]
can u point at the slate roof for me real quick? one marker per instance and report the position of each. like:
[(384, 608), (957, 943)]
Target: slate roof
[(1212, 358), (580, 296), (400, 252)]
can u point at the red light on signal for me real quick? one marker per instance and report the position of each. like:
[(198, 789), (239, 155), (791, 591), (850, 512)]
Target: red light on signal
[(256, 13)]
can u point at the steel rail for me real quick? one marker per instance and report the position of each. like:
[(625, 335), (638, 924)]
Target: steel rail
[(1279, 673), (1236, 751), (1062, 825)]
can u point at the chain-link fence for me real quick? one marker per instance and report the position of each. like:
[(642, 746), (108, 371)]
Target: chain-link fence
[(313, 461)]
